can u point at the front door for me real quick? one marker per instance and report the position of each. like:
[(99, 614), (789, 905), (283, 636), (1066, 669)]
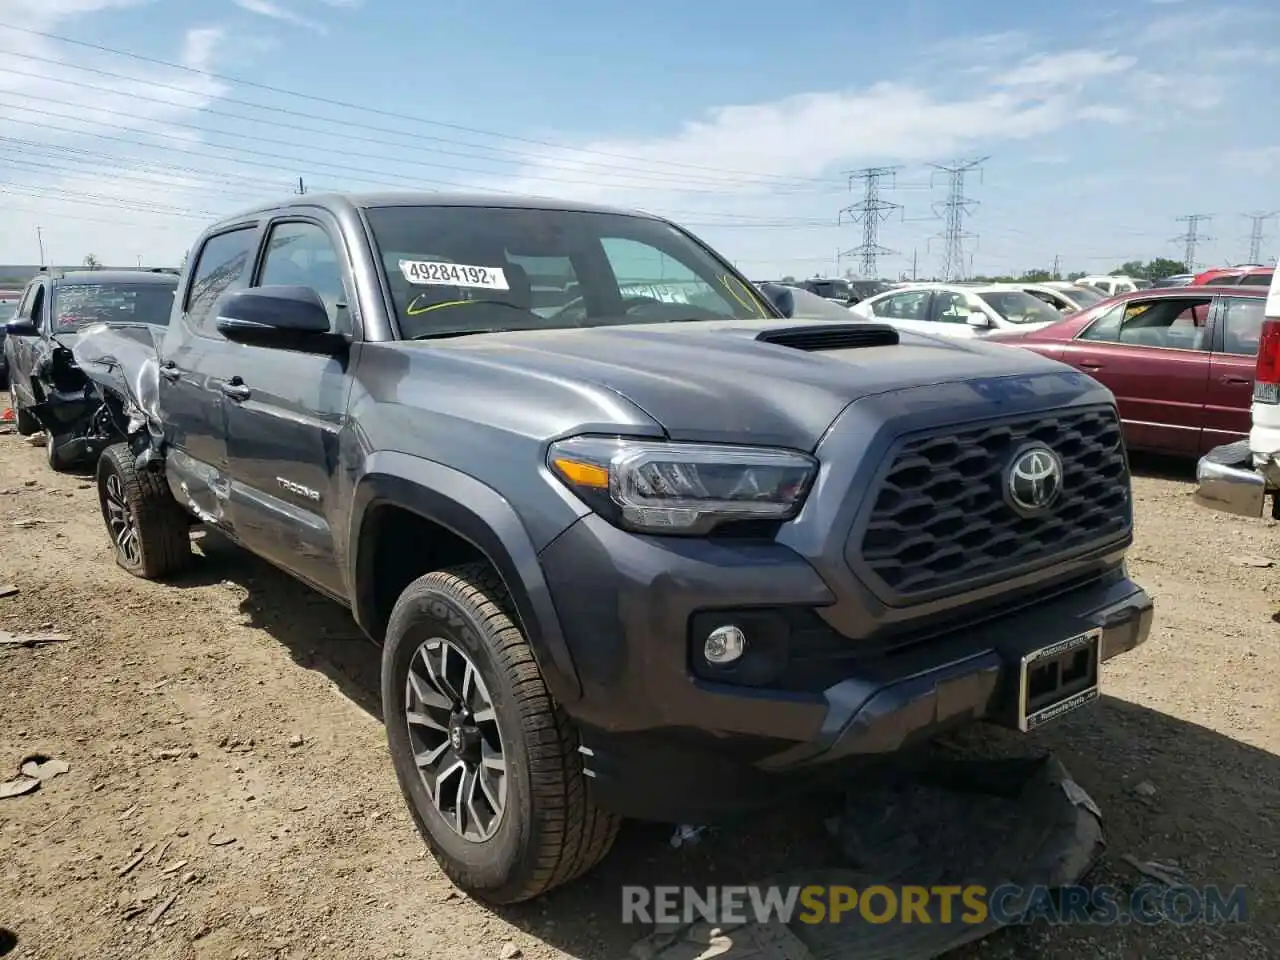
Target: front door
[(1153, 354), (284, 414)]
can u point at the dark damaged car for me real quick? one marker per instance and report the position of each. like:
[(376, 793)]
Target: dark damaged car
[(48, 390), (624, 556)]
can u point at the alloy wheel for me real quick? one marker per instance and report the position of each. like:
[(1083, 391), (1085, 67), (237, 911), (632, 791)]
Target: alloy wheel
[(457, 747), (121, 521)]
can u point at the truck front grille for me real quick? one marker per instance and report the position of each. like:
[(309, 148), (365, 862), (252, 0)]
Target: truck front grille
[(940, 521)]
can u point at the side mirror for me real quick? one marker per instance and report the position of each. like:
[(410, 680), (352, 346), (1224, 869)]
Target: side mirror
[(292, 318), (781, 297), (21, 328), (979, 320)]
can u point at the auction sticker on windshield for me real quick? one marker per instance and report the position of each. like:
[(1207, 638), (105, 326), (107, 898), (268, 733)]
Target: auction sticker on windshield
[(437, 273)]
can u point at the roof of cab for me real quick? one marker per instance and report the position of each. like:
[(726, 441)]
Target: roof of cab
[(364, 201), (115, 276)]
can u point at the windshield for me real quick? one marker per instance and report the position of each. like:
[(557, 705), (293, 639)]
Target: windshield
[(1018, 306), (1085, 296), (458, 270), (8, 310), (78, 304)]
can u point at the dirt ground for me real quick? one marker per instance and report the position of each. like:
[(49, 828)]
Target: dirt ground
[(227, 727)]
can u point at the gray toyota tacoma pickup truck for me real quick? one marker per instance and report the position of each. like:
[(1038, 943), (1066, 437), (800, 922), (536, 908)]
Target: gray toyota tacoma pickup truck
[(662, 556)]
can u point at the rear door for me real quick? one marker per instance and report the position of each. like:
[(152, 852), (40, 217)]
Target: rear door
[(1236, 329), (22, 348), (908, 310), (196, 364), (1153, 354)]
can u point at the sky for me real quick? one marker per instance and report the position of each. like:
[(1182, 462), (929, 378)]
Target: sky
[(128, 125)]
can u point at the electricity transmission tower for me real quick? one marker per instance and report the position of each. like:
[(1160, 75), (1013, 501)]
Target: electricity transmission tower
[(1256, 234), (955, 207), (870, 212), (1192, 237)]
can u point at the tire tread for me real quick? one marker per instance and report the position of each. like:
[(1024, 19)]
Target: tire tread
[(163, 529), (574, 834)]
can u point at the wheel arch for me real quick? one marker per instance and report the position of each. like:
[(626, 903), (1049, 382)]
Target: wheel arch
[(405, 496)]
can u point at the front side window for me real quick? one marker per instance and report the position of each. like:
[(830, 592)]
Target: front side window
[(1018, 306), (78, 304), (950, 307), (1172, 323), (458, 270), (221, 265), (302, 255)]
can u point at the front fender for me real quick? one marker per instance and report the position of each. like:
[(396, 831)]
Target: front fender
[(483, 517)]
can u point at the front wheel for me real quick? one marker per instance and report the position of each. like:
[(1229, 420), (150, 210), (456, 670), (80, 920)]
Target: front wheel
[(149, 531), (487, 761)]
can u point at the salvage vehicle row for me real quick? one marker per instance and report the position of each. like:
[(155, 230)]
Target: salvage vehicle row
[(625, 556)]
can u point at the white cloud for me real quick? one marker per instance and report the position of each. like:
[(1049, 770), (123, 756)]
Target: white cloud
[(1055, 70), (1256, 160), (274, 11)]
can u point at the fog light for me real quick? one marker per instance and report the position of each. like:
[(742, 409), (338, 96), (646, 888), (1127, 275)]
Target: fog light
[(724, 645)]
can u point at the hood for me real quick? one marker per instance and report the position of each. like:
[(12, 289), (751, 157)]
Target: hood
[(768, 382)]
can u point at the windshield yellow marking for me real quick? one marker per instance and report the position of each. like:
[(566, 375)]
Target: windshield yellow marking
[(415, 309), (752, 303)]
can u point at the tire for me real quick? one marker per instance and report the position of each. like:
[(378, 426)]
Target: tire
[(57, 461), (26, 424), (161, 535), (549, 831)]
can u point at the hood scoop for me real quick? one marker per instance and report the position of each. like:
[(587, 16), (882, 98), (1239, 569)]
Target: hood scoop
[(832, 336)]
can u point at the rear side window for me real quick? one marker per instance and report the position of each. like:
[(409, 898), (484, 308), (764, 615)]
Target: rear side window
[(220, 267), (1242, 325), (1256, 280)]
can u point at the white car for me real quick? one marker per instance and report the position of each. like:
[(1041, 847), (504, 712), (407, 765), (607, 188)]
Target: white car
[(1110, 285), (1063, 296), (958, 310)]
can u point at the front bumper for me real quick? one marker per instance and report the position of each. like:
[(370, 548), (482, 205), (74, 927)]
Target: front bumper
[(1227, 481), (663, 742)]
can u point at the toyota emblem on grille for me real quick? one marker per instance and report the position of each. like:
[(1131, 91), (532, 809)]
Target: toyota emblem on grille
[(1034, 480)]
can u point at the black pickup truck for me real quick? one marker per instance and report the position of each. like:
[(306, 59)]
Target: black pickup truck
[(667, 557)]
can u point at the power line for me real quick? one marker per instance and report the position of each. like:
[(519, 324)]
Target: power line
[(870, 212), (1256, 234), (1192, 238), (370, 110), (955, 207)]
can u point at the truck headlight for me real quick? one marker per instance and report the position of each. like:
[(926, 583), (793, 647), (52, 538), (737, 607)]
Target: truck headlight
[(682, 488)]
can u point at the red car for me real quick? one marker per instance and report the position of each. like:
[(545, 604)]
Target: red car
[(1234, 276), (1180, 361)]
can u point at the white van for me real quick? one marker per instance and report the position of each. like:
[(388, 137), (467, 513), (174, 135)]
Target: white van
[(1236, 477), (1110, 285)]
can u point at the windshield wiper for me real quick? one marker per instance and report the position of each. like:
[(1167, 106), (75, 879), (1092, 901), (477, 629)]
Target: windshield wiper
[(443, 334)]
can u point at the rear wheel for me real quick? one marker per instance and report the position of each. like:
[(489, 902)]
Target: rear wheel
[(149, 532), (487, 761), (58, 461)]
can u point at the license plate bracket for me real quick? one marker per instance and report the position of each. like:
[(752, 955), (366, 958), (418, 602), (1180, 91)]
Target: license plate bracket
[(1059, 678)]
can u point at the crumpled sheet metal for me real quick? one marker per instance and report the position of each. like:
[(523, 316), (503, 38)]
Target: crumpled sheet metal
[(988, 822), (124, 358)]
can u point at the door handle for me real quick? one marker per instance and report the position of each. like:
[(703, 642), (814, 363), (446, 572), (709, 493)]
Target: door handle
[(169, 370), (235, 389), (1232, 378), (1090, 364)]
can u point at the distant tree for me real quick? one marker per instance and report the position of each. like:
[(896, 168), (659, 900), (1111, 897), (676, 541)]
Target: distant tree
[(92, 262), (787, 279), (1076, 274), (1151, 270), (1036, 276)]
